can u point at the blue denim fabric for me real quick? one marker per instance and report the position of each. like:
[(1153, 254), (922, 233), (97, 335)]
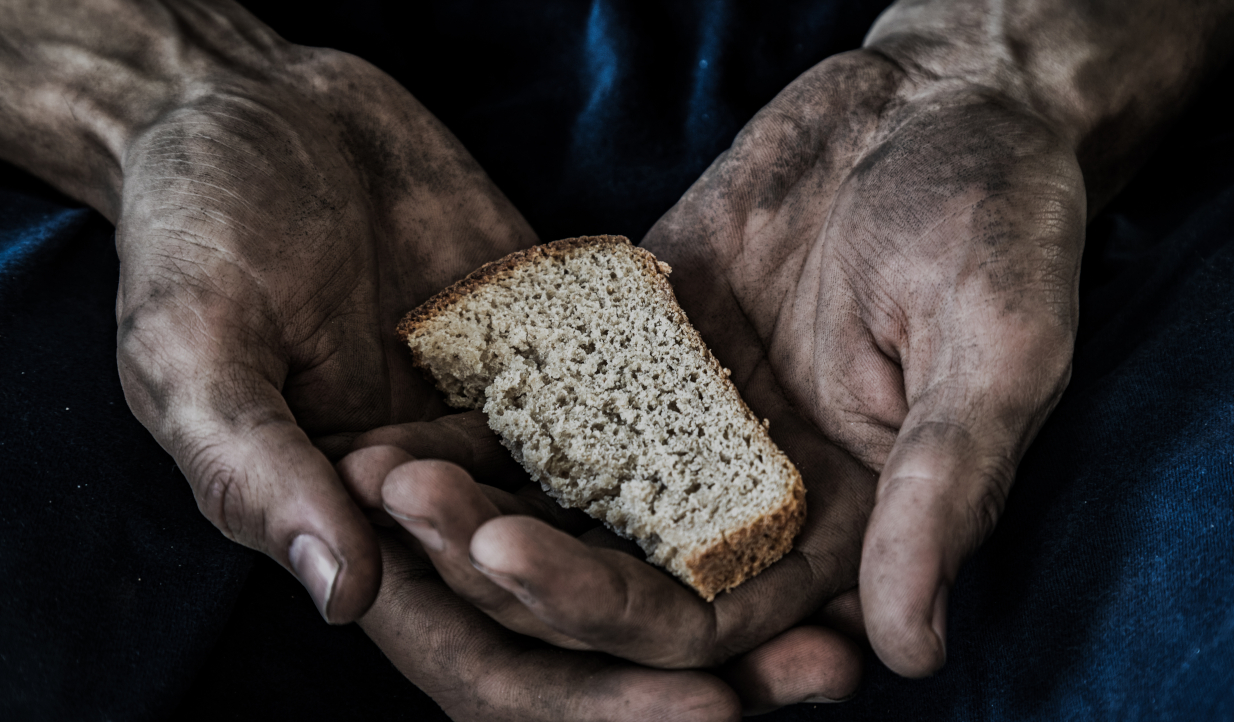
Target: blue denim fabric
[(1104, 593)]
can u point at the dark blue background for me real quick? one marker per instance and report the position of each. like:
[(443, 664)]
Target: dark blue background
[(1103, 594)]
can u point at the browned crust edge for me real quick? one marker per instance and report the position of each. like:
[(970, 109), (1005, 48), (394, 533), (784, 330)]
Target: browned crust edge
[(740, 554), (744, 553), (751, 549), (494, 270)]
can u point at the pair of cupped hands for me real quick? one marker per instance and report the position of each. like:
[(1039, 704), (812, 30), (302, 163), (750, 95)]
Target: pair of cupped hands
[(887, 263)]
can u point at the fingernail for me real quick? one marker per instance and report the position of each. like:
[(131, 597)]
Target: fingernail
[(508, 582), (940, 618), (423, 529), (317, 569)]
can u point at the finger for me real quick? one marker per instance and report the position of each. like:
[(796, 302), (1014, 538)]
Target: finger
[(604, 538), (369, 469), (364, 471), (604, 598), (478, 671), (843, 614), (805, 664), (442, 507), (464, 439), (615, 603), (939, 497), (607, 599), (254, 472)]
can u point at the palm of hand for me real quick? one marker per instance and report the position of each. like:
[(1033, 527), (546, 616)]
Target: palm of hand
[(890, 274), (270, 236), (900, 264), (889, 271)]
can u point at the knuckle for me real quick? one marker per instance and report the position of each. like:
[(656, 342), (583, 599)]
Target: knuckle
[(152, 336), (138, 335), (833, 566), (986, 507), (172, 382), (981, 515), (780, 126), (942, 432), (706, 646), (329, 69), (978, 476), (221, 487), (146, 360)]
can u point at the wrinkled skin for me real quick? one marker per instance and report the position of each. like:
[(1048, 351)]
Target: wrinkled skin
[(277, 209), (478, 671), (886, 258), (904, 257), (890, 269), (270, 233), (436, 506), (475, 669)]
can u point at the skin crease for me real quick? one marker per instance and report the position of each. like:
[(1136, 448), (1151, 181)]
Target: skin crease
[(271, 231), (269, 236), (926, 324), (991, 249), (887, 259), (811, 662)]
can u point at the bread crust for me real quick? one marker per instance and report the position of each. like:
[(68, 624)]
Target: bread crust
[(739, 554), (501, 268)]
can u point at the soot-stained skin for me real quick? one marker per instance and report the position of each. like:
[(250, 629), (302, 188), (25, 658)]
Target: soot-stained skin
[(888, 257), (887, 263), (294, 225), (271, 232), (888, 223), (277, 209)]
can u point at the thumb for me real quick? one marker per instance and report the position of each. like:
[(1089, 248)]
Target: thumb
[(264, 484), (254, 472), (939, 496)]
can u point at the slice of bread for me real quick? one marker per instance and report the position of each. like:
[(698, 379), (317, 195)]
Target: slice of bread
[(593, 378)]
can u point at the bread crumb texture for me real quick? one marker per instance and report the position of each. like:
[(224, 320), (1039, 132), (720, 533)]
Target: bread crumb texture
[(593, 378)]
